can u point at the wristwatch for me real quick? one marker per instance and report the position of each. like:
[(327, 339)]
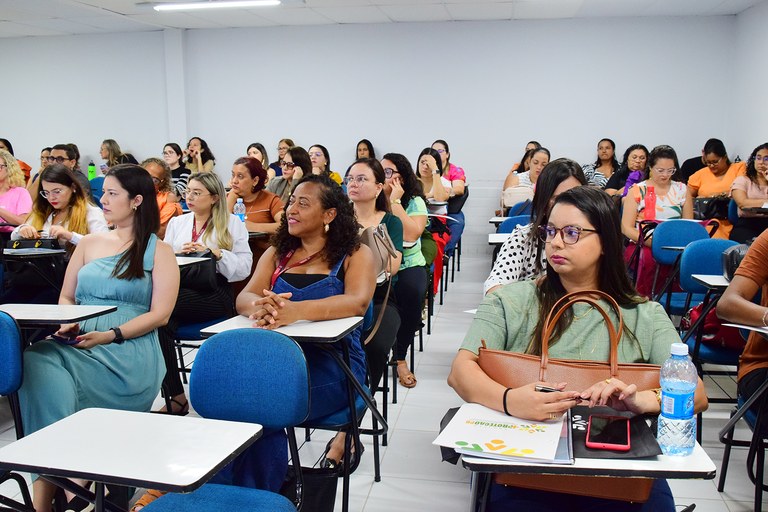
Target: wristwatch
[(118, 335), (396, 201)]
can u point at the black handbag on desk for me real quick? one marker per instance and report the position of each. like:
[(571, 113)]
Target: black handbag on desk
[(40, 243), (715, 207), (200, 277)]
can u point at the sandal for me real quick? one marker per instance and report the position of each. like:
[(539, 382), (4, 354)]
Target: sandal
[(405, 376), (147, 498), (328, 463), (183, 409)]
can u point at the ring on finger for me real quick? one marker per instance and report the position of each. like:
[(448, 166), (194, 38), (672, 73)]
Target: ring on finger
[(552, 416), (607, 381)]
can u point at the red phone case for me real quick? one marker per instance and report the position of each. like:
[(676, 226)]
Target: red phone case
[(608, 446)]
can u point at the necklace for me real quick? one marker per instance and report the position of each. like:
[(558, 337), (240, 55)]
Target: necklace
[(589, 310), (64, 217)]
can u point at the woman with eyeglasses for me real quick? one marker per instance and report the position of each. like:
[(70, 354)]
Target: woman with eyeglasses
[(199, 156), (407, 203), (174, 157), (661, 197), (715, 180), (321, 162), (582, 240), (15, 201), (634, 169), (520, 257), (599, 172), (751, 191), (295, 164), (167, 202), (282, 148)]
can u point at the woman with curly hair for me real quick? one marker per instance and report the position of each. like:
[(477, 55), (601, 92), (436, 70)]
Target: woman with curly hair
[(316, 269), (751, 191), (199, 156), (15, 201)]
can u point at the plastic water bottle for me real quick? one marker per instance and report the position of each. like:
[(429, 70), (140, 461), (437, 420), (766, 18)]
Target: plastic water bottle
[(650, 203), (677, 426), (91, 170), (239, 209)]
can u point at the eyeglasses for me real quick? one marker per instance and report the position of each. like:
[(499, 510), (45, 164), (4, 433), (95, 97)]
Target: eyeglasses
[(441, 151), (48, 193), (358, 180), (763, 159), (569, 234), (156, 181), (287, 165), (389, 172), (58, 159), (194, 194), (713, 164), (665, 172), (316, 154)]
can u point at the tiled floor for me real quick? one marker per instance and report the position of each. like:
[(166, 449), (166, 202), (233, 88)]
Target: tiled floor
[(413, 476)]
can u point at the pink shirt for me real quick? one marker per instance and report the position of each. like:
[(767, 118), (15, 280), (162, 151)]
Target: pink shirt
[(753, 190), (455, 173), (18, 201)]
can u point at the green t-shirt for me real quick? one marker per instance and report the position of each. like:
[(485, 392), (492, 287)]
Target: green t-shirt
[(412, 256), (507, 317)]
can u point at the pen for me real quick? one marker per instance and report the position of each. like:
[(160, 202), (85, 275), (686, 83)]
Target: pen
[(547, 389)]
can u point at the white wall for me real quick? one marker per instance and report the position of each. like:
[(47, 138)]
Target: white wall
[(485, 87), (751, 74)]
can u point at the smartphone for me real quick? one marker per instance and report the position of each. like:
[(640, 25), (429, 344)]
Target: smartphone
[(608, 433), (66, 340)]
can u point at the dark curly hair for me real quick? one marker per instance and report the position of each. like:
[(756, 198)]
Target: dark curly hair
[(411, 184), (343, 237), (751, 170)]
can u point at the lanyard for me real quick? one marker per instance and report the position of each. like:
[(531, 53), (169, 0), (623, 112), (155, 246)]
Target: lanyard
[(196, 234), (281, 267)]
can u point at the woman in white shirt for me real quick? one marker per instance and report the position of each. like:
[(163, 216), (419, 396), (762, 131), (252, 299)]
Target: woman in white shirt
[(208, 227)]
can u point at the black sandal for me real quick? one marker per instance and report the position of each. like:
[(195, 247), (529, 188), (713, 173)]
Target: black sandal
[(327, 463)]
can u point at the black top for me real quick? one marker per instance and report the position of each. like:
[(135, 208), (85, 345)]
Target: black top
[(689, 167)]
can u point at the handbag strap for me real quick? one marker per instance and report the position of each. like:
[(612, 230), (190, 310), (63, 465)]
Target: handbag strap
[(562, 305), (381, 238)]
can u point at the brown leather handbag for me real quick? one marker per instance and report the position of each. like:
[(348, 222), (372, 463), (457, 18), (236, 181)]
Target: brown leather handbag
[(515, 370)]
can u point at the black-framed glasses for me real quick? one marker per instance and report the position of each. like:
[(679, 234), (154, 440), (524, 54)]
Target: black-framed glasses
[(287, 165), (58, 159), (389, 172), (569, 234)]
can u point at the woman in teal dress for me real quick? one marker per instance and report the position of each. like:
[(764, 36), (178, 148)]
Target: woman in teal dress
[(115, 361)]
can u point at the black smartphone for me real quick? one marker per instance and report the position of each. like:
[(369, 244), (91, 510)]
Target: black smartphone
[(608, 433), (66, 340)]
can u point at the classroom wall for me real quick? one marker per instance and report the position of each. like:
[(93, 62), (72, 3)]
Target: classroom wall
[(751, 74), (485, 87)]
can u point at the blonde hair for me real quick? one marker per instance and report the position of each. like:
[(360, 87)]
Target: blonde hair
[(113, 151), (15, 174), (219, 212)]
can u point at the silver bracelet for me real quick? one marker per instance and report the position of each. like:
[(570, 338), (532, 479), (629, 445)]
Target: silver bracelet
[(764, 315)]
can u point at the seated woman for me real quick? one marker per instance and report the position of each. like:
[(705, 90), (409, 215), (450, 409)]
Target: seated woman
[(583, 244), (522, 165), (634, 169), (407, 203), (199, 156), (208, 227), (33, 185), (173, 156), (321, 162), (539, 158), (259, 152), (116, 363), (715, 180), (600, 172), (736, 305), (61, 210), (520, 257), (751, 191), (282, 148), (365, 150), (112, 154), (295, 164), (316, 270), (458, 179), (365, 188), (15, 202), (667, 202), (167, 202)]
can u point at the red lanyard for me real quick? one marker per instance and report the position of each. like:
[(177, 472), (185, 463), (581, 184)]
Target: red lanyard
[(281, 267), (195, 234)]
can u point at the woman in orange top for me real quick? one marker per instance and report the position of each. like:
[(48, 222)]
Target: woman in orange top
[(163, 180), (715, 179)]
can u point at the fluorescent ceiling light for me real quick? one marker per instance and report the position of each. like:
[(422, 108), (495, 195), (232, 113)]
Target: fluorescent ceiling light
[(228, 4)]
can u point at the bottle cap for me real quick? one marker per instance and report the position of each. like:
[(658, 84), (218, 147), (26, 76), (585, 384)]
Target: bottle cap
[(679, 349)]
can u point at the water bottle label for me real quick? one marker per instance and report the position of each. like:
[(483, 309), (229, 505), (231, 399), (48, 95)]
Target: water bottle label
[(677, 406), (241, 216)]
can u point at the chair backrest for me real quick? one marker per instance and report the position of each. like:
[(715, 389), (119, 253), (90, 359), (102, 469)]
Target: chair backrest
[(674, 233), (10, 355), (521, 208), (514, 195), (511, 223), (733, 212), (251, 375), (702, 257), (97, 184), (456, 203)]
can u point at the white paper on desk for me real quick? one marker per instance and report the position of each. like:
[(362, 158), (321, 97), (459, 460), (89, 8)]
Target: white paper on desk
[(482, 432)]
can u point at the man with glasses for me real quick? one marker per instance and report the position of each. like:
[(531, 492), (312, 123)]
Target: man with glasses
[(65, 154)]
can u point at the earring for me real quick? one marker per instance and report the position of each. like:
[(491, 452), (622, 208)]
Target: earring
[(326, 228), (135, 207)]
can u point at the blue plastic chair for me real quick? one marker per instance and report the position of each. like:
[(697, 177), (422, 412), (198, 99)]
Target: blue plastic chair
[(97, 184), (512, 222), (521, 208), (234, 379), (10, 381), (673, 233), (733, 212)]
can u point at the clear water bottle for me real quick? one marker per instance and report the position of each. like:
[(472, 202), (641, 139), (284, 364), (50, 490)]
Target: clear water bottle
[(677, 425), (239, 209)]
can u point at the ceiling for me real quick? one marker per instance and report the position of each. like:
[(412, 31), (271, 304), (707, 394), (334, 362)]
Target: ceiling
[(20, 18)]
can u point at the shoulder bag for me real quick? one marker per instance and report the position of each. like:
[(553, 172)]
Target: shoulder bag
[(732, 257), (200, 277), (514, 370), (715, 207), (378, 240)]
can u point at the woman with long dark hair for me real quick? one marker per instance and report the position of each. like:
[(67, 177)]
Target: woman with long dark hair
[(583, 244), (634, 169), (115, 360), (174, 157), (321, 162), (295, 165), (751, 191), (365, 150), (199, 156), (599, 172)]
